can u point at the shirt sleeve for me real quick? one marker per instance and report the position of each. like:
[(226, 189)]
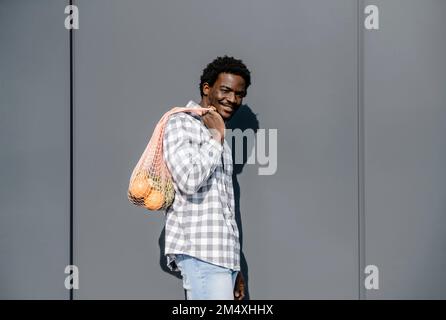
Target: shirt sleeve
[(190, 160)]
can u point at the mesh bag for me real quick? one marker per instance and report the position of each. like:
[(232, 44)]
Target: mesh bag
[(151, 184)]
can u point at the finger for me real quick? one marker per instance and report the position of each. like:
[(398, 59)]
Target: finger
[(215, 114)]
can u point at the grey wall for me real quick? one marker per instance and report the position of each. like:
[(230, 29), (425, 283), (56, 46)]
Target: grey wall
[(299, 226), (405, 151), (34, 154), (304, 233)]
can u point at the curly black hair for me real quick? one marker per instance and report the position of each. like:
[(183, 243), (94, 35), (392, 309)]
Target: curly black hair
[(227, 65)]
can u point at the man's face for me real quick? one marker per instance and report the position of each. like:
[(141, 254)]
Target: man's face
[(226, 95)]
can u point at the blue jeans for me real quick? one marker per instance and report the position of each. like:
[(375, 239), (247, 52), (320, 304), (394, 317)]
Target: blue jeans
[(206, 281)]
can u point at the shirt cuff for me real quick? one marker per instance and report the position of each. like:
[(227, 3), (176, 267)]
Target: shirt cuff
[(214, 149), (215, 146)]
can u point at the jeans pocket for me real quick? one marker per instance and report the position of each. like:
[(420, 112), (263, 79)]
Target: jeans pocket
[(186, 281), (183, 267)]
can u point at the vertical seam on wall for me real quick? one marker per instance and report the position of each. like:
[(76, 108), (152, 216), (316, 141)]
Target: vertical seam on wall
[(361, 149), (71, 151)]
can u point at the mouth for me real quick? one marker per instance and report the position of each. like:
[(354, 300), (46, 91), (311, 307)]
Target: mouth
[(227, 108)]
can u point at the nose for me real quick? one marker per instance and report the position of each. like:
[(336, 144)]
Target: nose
[(231, 97)]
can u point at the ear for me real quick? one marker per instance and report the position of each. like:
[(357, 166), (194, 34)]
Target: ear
[(206, 89)]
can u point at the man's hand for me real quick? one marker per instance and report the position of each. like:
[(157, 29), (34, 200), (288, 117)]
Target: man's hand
[(214, 122), (239, 290)]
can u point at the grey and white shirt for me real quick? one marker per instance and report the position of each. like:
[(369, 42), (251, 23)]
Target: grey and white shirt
[(201, 221)]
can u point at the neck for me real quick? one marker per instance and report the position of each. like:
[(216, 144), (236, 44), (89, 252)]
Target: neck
[(204, 102)]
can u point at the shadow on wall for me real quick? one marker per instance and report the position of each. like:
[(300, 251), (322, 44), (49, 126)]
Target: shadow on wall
[(243, 120)]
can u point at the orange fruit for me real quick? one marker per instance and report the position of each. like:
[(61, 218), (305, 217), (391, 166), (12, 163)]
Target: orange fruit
[(140, 187), (154, 201)]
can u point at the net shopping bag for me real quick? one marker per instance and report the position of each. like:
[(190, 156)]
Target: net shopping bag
[(151, 184)]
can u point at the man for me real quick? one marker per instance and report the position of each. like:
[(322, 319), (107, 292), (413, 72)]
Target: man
[(202, 238)]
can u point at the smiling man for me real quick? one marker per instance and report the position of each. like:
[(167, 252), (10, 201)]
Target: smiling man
[(202, 238)]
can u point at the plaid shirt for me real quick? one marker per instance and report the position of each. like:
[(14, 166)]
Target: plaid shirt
[(201, 221)]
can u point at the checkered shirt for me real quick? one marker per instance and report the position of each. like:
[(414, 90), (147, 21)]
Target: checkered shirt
[(201, 221)]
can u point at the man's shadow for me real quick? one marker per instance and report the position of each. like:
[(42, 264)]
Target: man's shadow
[(244, 119)]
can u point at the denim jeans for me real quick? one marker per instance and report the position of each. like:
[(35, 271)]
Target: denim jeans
[(205, 281)]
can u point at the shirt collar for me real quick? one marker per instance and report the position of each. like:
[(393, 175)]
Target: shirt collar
[(192, 104)]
